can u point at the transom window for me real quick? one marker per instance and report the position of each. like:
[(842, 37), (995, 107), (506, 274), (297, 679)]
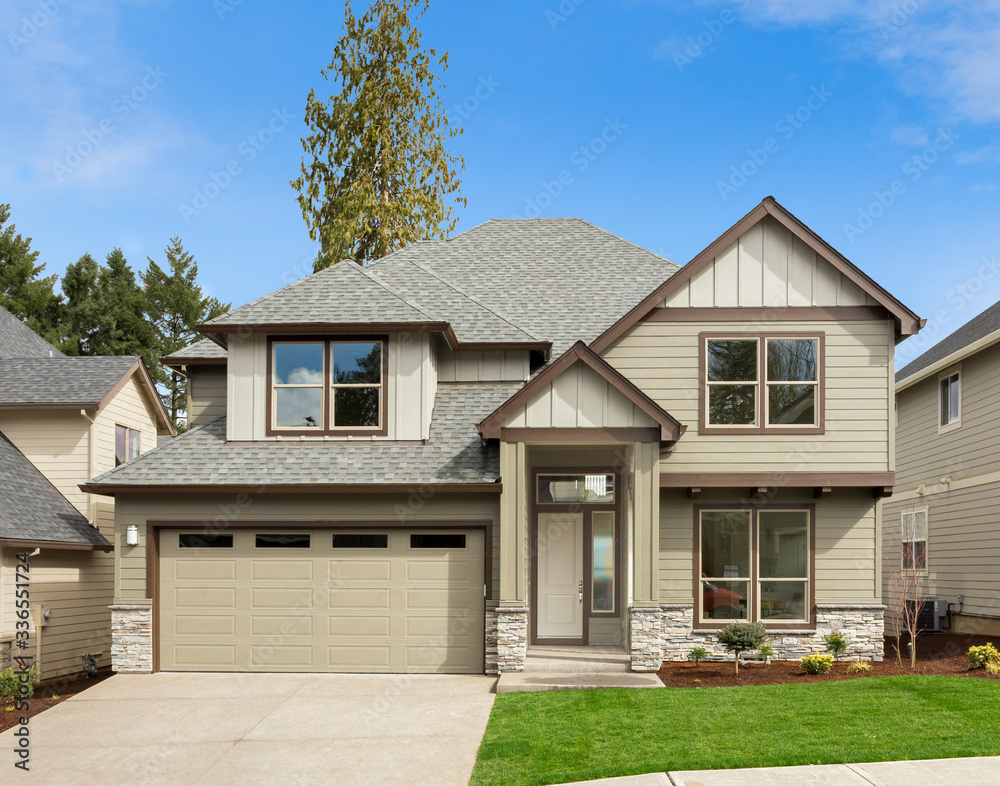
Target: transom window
[(914, 540), (593, 489), (328, 386), (755, 565), (761, 382), (950, 388)]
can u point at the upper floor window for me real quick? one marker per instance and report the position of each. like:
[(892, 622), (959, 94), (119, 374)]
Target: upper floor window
[(950, 398), (761, 382), (332, 386), (914, 540), (128, 442)]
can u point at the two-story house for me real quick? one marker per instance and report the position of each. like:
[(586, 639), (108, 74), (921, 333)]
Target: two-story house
[(63, 420), (941, 523), (532, 433)]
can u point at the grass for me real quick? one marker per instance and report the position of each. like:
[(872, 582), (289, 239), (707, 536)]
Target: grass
[(564, 736)]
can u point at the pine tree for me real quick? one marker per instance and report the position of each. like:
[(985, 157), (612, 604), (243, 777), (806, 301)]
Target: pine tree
[(22, 291), (378, 170), (81, 314), (176, 306), (122, 326)]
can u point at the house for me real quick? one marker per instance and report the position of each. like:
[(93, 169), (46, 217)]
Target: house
[(532, 433), (941, 523), (63, 420)]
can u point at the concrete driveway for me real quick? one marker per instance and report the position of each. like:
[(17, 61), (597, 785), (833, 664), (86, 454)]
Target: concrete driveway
[(260, 728)]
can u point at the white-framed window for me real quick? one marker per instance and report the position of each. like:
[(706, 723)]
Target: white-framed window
[(950, 399), (913, 545)]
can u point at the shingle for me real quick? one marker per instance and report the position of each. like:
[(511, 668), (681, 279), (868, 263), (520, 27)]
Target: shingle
[(454, 453), (60, 380), (976, 328), (205, 349), (17, 340), (33, 509)]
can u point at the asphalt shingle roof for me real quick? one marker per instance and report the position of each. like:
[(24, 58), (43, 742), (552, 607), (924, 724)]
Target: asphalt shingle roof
[(205, 349), (976, 328), (454, 453), (60, 380), (33, 509), (17, 340)]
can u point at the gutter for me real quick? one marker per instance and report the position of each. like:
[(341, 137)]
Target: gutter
[(950, 360)]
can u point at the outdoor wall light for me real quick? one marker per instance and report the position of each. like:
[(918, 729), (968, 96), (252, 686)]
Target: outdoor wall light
[(132, 535)]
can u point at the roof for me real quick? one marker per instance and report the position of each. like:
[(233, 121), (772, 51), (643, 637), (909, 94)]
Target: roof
[(17, 340), (203, 351), (33, 509), (72, 382), (548, 280), (454, 454), (975, 334)]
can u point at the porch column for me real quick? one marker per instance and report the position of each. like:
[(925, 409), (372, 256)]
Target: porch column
[(512, 611), (644, 645)]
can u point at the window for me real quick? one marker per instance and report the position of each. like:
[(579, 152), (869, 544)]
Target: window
[(950, 388), (437, 541), (327, 387), (763, 382), (128, 442), (603, 561), (914, 540), (354, 540), (593, 489), (204, 540), (755, 565), (281, 541)]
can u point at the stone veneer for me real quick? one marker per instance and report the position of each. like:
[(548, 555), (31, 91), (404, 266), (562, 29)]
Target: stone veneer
[(6, 652), (645, 645), (132, 638), (860, 624), (506, 639)]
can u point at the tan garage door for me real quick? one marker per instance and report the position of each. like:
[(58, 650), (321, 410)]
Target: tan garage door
[(322, 600)]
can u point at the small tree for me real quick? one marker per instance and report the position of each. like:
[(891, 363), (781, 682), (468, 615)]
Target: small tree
[(836, 645), (697, 655), (908, 597), (742, 636)]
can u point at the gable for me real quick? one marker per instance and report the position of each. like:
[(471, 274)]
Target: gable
[(768, 266)]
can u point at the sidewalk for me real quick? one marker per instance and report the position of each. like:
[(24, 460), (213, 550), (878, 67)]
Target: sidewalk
[(931, 772)]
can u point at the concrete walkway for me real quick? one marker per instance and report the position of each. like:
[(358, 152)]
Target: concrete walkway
[(931, 772), (259, 728)]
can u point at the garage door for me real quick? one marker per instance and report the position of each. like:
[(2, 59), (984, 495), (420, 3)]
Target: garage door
[(322, 600)]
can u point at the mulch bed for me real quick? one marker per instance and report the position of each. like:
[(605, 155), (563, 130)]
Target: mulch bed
[(45, 696), (940, 653)]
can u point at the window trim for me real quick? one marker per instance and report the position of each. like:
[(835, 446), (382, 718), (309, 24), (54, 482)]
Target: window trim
[(927, 528), (326, 429), (954, 371), (129, 431), (753, 602), (761, 384)]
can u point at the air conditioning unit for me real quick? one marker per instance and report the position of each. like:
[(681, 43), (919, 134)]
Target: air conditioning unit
[(931, 615)]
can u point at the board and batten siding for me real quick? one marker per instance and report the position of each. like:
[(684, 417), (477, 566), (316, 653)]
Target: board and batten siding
[(411, 381), (925, 455), (485, 366), (579, 398), (206, 391), (847, 542), (662, 359), (768, 266)]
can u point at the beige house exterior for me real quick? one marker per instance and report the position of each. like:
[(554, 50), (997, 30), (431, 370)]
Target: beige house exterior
[(535, 433), (58, 420), (948, 485)]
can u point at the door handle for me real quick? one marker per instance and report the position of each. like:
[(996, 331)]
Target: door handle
[(581, 590)]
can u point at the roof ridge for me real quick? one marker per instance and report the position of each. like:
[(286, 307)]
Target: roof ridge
[(473, 298), (262, 298), (627, 242), (398, 295)]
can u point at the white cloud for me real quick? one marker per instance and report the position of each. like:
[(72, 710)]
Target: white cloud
[(911, 135), (984, 187), (990, 154)]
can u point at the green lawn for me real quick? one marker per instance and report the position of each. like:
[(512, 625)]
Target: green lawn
[(539, 738)]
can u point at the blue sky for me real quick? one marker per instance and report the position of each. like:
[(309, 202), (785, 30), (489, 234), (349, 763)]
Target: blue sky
[(664, 122)]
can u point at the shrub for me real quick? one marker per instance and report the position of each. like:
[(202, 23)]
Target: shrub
[(11, 682), (742, 636), (980, 656), (698, 654), (836, 645), (859, 667), (766, 652), (993, 668), (816, 664)]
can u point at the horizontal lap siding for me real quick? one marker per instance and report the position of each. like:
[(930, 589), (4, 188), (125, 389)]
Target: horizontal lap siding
[(206, 394), (662, 359), (131, 407)]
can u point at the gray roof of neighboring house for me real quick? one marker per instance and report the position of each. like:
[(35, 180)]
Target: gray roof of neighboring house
[(976, 328), (17, 340), (33, 509), (454, 453), (82, 381), (205, 349)]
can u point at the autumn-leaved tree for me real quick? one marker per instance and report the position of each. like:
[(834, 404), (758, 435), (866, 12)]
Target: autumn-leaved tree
[(376, 172)]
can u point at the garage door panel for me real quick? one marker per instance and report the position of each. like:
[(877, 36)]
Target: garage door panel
[(346, 569), (280, 598), (204, 625), (368, 626), (450, 572), (442, 599), (436, 657), (206, 570), (362, 598), (288, 625), (280, 656), (204, 655), (281, 570), (204, 598), (358, 657)]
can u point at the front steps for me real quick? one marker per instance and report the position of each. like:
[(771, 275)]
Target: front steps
[(574, 668)]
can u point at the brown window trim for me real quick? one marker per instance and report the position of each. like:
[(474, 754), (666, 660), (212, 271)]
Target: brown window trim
[(326, 430), (752, 616), (761, 427)]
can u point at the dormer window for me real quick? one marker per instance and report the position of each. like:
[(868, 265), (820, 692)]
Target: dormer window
[(330, 387)]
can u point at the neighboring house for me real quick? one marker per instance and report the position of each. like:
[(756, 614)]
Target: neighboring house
[(534, 432), (62, 420), (942, 521)]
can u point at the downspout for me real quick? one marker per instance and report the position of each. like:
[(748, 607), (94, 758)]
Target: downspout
[(91, 465)]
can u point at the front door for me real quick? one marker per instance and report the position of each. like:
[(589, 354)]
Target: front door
[(560, 576)]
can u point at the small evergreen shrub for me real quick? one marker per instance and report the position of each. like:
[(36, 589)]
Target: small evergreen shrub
[(816, 664), (836, 645), (697, 655), (979, 657), (742, 637), (993, 668), (859, 667), (11, 682), (766, 652)]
